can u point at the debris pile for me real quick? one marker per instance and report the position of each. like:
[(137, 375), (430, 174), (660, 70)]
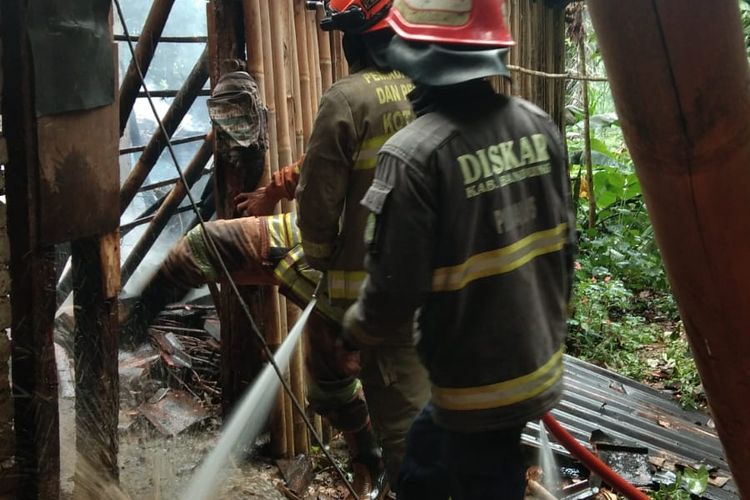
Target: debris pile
[(173, 382)]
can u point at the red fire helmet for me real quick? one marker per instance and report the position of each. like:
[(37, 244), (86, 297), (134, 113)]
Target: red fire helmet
[(355, 16), (465, 22)]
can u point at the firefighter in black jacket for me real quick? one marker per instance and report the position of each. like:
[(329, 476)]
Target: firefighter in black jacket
[(470, 226)]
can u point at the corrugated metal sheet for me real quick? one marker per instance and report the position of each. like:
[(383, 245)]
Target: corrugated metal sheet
[(597, 399)]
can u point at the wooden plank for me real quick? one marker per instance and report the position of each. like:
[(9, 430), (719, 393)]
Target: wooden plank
[(78, 154)]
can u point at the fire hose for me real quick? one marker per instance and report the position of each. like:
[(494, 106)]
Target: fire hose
[(591, 461)]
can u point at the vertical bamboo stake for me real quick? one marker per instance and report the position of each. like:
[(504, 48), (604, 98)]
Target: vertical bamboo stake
[(294, 76), (313, 57), (279, 436), (324, 56), (305, 94), (278, 27)]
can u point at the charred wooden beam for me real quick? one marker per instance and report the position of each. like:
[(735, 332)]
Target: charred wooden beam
[(33, 369), (144, 53), (170, 93), (171, 120), (181, 140), (161, 218)]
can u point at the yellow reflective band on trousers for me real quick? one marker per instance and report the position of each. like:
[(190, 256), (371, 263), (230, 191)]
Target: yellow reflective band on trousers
[(501, 394), (368, 152), (283, 231), (345, 284), (500, 261)]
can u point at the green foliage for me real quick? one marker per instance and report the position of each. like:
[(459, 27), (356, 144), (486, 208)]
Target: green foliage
[(622, 301), (689, 482)]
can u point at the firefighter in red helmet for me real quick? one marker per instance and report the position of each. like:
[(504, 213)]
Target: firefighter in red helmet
[(355, 117), (471, 228)]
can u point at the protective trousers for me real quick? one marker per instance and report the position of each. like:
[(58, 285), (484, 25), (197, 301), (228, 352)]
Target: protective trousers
[(441, 464)]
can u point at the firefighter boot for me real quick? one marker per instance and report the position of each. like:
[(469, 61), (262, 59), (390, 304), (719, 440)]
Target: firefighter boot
[(369, 479)]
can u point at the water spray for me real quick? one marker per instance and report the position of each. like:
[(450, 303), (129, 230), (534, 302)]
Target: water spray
[(247, 419)]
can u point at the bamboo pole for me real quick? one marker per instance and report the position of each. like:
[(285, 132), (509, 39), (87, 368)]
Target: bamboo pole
[(324, 55), (171, 120), (260, 66), (144, 54), (311, 23), (278, 28), (293, 76), (305, 95)]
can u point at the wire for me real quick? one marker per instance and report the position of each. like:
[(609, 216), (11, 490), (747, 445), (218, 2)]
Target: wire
[(209, 240)]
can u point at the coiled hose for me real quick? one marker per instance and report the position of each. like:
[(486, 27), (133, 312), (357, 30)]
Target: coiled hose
[(591, 461)]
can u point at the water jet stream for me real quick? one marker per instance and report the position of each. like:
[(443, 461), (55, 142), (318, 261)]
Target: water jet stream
[(247, 420)]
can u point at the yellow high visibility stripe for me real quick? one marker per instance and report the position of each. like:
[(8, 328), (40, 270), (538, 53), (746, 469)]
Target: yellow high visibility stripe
[(283, 231), (499, 261), (345, 284), (502, 393), (368, 152)]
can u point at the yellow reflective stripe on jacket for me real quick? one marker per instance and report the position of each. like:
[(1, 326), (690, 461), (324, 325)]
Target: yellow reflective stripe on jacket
[(503, 393), (345, 284), (500, 261), (283, 231), (368, 152)]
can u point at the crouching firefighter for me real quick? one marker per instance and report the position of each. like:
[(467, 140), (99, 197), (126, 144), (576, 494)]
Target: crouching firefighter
[(471, 226)]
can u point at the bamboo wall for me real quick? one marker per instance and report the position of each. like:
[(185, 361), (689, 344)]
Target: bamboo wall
[(539, 32), (293, 63)]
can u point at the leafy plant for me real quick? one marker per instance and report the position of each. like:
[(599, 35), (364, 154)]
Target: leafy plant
[(688, 482)]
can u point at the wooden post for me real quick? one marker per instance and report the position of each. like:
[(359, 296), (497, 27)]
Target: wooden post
[(241, 357), (144, 53), (96, 278), (32, 274)]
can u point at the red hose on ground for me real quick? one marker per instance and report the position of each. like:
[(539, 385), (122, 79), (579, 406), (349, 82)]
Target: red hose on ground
[(592, 461)]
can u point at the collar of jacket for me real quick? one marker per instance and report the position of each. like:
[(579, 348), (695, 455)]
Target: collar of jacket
[(425, 99)]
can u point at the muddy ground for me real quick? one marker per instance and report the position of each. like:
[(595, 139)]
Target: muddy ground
[(158, 467)]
